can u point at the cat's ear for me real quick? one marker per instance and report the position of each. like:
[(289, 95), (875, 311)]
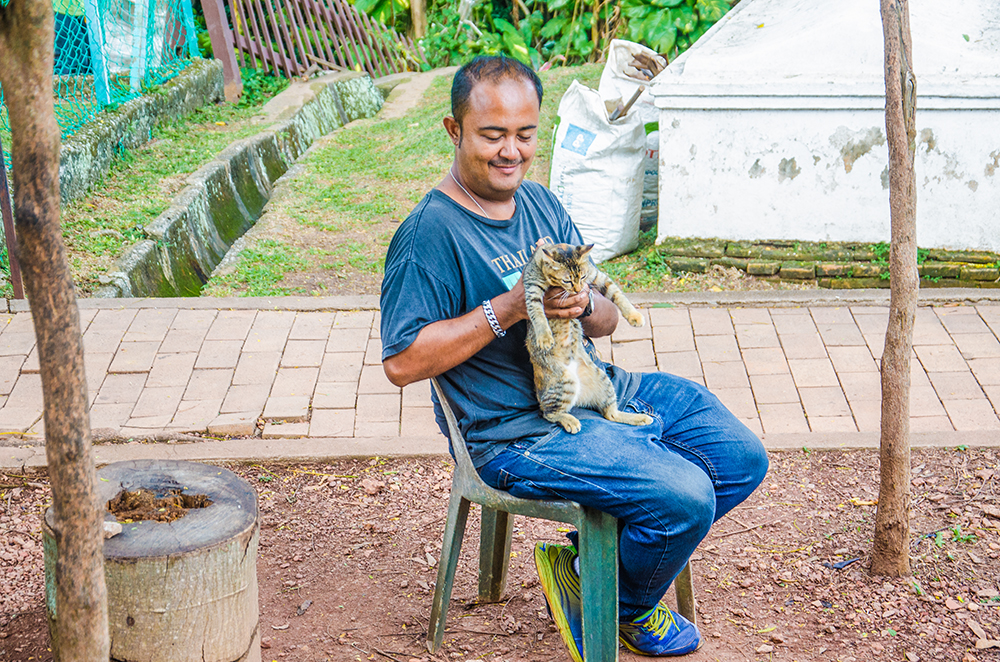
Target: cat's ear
[(583, 250)]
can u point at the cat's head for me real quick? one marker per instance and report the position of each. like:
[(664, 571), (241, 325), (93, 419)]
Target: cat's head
[(565, 265)]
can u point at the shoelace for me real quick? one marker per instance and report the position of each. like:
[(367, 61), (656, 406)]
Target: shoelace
[(660, 621)]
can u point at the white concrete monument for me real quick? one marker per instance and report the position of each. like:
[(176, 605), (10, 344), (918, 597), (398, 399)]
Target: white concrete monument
[(772, 126)]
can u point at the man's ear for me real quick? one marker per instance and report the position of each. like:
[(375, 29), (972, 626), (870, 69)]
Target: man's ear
[(454, 130)]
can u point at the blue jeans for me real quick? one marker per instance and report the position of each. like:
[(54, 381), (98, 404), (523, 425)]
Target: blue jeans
[(666, 482)]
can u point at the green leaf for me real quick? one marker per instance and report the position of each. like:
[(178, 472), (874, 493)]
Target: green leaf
[(556, 5), (554, 27), (685, 19), (667, 3)]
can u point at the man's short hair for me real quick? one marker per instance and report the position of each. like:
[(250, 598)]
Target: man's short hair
[(491, 69)]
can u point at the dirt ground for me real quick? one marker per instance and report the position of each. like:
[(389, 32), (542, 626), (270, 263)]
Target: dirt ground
[(356, 544)]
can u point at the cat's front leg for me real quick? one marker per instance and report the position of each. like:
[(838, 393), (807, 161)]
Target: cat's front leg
[(538, 323)]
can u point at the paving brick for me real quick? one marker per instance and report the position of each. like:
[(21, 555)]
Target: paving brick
[(765, 361), (134, 427), (312, 326), (924, 401), (335, 395), (265, 338), (750, 316), (209, 385), (774, 389), (782, 418), (728, 374), (635, 356), (869, 310), (115, 322), (134, 357), (874, 325), (824, 401), (987, 371), (961, 319), (941, 358), (233, 425), (673, 339), (840, 334), (803, 345), (10, 366), (756, 335), (861, 385), (831, 315), (867, 415), (171, 370), (417, 394), (303, 353), (669, 317), (347, 319), (363, 428), (931, 424), (956, 385), (682, 364), (832, 424), (373, 380), (347, 340), (377, 325), (418, 422), (792, 322), (150, 325), (231, 325), (737, 400), (289, 408), (993, 393), (24, 404), (110, 416), (295, 382), (990, 314), (193, 319), (31, 363), (603, 347), (339, 367), (852, 359), (121, 388), (972, 414), (12, 344), (332, 423), (96, 367), (245, 398), (625, 332), (219, 354), (195, 415), (159, 401), (876, 345), (813, 372), (977, 345), (918, 376), (711, 322), (717, 348), (380, 407), (285, 430), (928, 331), (101, 342), (753, 424), (183, 341), (373, 354), (257, 368)]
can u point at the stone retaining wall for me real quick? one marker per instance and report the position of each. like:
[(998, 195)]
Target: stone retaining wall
[(831, 264), (225, 197)]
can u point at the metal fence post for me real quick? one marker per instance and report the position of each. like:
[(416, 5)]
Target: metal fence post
[(140, 45), (192, 36), (98, 61)]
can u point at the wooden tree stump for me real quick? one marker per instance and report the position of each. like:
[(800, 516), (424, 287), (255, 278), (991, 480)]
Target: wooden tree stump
[(180, 591)]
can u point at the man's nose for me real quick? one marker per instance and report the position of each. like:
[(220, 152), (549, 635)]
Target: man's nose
[(508, 149)]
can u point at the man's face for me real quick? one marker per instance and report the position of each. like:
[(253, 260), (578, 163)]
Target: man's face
[(497, 138)]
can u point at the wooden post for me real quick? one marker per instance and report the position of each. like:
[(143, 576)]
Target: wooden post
[(26, 41), (8, 230), (890, 549), (418, 18), (223, 47)]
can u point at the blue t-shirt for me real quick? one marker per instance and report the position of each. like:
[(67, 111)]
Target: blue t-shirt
[(443, 262)]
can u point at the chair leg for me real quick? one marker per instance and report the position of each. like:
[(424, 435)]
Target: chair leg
[(454, 530), (684, 588), (599, 585), (494, 553)]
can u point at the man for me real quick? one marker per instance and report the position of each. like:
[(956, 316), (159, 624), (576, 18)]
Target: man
[(453, 307)]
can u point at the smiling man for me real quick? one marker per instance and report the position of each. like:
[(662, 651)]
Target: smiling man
[(453, 308)]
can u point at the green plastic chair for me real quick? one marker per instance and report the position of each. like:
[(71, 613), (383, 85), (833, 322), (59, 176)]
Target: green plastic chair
[(598, 551)]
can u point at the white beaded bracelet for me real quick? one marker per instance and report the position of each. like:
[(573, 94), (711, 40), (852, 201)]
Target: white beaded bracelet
[(491, 317)]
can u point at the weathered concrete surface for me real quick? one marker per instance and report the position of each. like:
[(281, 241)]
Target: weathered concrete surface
[(226, 196), (88, 154)]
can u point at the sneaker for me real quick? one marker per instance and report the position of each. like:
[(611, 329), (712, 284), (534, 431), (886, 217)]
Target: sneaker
[(660, 632), (561, 586)]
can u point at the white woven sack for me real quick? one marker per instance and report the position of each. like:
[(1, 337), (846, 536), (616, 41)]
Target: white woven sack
[(597, 171)]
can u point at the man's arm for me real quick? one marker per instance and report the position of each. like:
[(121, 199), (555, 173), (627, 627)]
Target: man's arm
[(442, 345)]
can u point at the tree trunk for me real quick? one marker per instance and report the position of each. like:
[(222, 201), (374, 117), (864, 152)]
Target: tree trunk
[(418, 17), (890, 552), (26, 41)]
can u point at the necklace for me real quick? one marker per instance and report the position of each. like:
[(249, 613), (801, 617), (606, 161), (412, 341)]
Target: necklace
[(451, 173)]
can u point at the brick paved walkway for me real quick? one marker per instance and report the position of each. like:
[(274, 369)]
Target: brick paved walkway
[(809, 370)]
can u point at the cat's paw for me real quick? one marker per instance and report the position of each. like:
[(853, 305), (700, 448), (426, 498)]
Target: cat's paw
[(545, 340), (635, 319), (570, 423)]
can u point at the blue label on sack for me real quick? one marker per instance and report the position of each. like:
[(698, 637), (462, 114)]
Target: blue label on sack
[(578, 140)]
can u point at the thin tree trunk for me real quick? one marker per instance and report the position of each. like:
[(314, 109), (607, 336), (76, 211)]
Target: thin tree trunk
[(26, 60), (418, 18), (890, 552)]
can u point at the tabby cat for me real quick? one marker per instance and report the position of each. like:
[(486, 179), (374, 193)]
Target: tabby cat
[(565, 375)]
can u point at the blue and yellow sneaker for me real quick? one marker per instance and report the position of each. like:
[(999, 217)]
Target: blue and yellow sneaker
[(561, 586), (659, 632)]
